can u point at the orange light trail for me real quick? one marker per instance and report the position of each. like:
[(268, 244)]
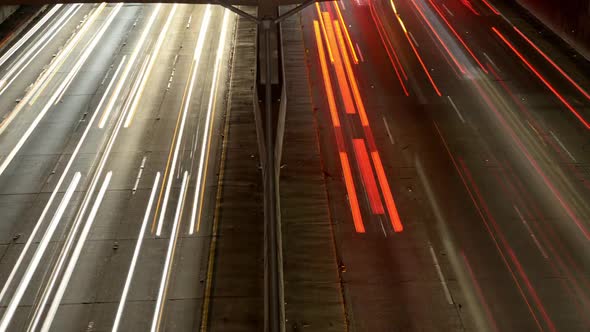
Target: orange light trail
[(317, 7), (458, 36), (353, 200), (549, 86), (389, 202), (351, 77), (444, 45), (491, 7), (348, 180), (468, 4), (352, 51), (386, 42), (338, 67), (326, 75), (582, 91), (415, 50), (367, 175)]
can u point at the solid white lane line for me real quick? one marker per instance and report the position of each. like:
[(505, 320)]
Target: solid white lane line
[(169, 255), (130, 64), (135, 255), (526, 225), (17, 68), (36, 259), (75, 255), (186, 103), (443, 282), (48, 205), (388, 131), (456, 109), (207, 128), (30, 33), (8, 159), (562, 146)]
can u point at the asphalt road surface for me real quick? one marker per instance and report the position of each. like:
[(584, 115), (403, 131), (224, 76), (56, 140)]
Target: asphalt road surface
[(456, 142), (108, 150)]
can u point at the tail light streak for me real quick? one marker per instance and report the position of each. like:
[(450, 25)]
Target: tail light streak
[(542, 79), (440, 14), (346, 34), (561, 71), (339, 48), (338, 66), (352, 197), (401, 23)]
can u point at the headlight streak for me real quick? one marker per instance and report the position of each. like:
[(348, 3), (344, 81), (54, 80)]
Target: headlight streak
[(140, 237), (19, 66), (30, 33), (56, 64), (182, 117), (77, 223), (130, 64), (206, 141), (36, 259), (49, 202), (75, 255), (44, 76), (146, 75), (159, 309), (8, 159)]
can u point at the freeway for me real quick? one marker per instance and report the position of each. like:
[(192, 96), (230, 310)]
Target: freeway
[(454, 137), (108, 151)]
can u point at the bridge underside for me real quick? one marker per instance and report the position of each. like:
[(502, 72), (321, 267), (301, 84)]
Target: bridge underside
[(257, 3)]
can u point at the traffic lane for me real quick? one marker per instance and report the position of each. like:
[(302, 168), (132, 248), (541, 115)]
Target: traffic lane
[(184, 291), (43, 201), (56, 134), (502, 62), (32, 66), (390, 278), (509, 300), (11, 139), (556, 152), (497, 152)]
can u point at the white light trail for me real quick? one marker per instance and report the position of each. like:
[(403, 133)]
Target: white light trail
[(28, 57), (169, 255), (45, 109), (75, 255), (30, 33), (135, 255), (206, 133), (127, 70), (49, 202), (151, 63), (186, 104), (28, 275)]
